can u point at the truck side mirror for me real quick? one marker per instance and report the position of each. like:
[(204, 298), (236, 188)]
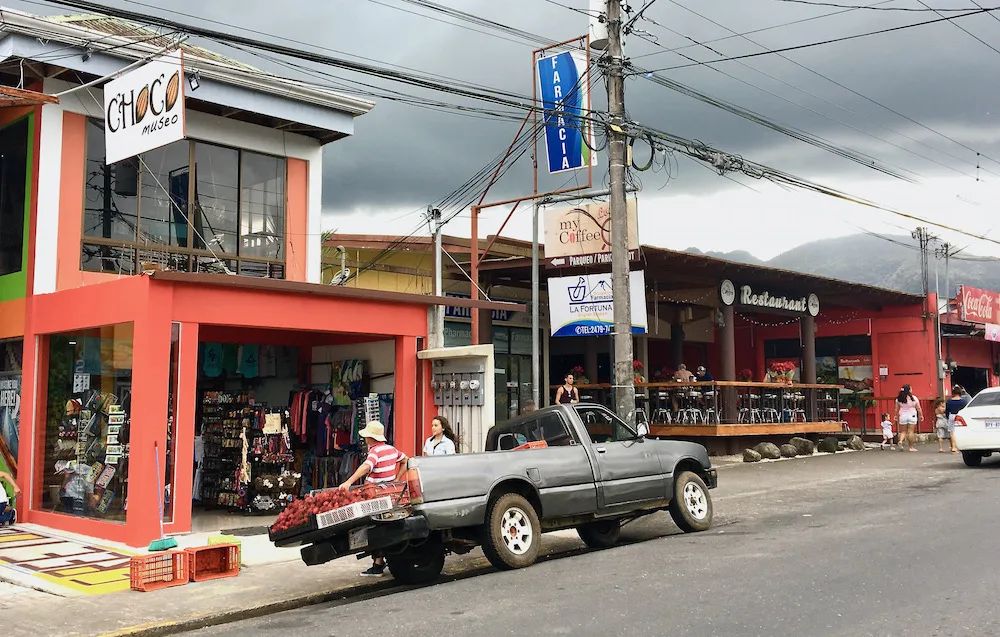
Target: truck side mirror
[(642, 430)]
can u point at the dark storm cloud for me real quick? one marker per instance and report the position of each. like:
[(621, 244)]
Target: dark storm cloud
[(402, 156)]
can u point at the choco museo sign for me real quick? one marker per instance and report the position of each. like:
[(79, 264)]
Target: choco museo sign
[(761, 298)]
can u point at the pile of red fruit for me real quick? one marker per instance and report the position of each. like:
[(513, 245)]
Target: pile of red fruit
[(298, 511)]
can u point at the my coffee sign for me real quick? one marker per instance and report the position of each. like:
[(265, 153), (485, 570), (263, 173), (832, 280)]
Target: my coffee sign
[(581, 235), (764, 299), (144, 109), (978, 306)]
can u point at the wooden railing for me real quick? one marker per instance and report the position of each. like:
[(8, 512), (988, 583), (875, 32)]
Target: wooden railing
[(727, 403)]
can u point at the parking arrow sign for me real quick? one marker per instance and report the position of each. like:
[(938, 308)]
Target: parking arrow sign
[(561, 261)]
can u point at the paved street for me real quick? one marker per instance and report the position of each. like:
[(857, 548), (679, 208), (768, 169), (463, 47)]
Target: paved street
[(875, 543)]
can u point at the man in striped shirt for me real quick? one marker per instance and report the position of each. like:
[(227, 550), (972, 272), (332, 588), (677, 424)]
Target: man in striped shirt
[(384, 463)]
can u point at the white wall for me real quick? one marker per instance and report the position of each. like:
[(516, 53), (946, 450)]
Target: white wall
[(379, 357)]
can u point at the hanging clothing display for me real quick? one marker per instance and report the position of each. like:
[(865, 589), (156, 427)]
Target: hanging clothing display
[(212, 357), (230, 358), (249, 361), (268, 362)]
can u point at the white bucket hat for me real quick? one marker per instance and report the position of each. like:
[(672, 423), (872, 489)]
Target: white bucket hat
[(374, 430)]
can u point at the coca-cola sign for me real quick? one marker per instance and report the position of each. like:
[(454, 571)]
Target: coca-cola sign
[(978, 306)]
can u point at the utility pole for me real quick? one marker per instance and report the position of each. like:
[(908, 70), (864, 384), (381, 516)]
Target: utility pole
[(943, 251), (436, 332), (623, 377)]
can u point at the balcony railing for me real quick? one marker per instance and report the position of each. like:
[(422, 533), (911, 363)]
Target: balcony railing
[(728, 403)]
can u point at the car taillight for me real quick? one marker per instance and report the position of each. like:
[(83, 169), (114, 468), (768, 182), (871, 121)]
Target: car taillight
[(415, 487), (960, 422)]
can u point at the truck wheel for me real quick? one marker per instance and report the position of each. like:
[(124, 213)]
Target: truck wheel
[(600, 535), (691, 506), (418, 565), (512, 534)]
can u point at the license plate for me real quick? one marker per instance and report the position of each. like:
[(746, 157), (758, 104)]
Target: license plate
[(993, 424), (358, 538)]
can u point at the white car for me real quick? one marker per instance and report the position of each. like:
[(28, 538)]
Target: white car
[(977, 427)]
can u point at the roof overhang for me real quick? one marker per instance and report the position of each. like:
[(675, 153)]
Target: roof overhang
[(10, 96), (66, 49)]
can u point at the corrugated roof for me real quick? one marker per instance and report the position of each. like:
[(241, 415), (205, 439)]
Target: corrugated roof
[(116, 26)]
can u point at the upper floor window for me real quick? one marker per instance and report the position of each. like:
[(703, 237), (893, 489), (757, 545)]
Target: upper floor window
[(13, 194), (188, 206)]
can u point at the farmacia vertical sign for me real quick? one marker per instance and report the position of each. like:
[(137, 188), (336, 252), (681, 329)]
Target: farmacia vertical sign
[(564, 86)]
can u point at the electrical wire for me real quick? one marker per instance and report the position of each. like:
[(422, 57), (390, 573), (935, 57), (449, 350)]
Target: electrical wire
[(815, 3), (854, 92), (808, 45)]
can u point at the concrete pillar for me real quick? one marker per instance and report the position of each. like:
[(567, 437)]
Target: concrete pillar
[(729, 410), (544, 392), (807, 326)]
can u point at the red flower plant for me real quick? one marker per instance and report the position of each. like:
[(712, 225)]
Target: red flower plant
[(637, 366), (746, 375)]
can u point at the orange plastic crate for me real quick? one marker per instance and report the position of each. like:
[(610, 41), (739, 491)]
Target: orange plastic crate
[(213, 562), (158, 570)]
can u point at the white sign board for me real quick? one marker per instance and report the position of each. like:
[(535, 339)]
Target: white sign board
[(583, 305), (144, 108)]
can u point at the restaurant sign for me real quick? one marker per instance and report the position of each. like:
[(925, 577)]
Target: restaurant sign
[(763, 299), (978, 306)]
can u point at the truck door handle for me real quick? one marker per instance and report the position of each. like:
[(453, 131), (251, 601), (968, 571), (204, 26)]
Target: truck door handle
[(601, 450)]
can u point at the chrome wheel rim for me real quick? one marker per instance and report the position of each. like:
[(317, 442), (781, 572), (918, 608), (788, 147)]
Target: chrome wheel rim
[(695, 500), (515, 529)]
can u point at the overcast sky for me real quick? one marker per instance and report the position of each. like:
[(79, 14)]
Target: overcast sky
[(403, 158)]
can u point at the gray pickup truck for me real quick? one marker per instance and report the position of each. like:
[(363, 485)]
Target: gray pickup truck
[(566, 466)]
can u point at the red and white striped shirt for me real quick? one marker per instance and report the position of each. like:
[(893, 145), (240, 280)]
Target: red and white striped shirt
[(382, 460)]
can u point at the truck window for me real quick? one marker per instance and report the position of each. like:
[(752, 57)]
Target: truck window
[(603, 426), (553, 431)]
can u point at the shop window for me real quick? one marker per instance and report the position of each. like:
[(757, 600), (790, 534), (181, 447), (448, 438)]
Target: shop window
[(87, 421), (13, 194), (170, 460), (11, 353), (149, 211)]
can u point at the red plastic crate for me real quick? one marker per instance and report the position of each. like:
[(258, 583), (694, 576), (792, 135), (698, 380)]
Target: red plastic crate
[(158, 570), (213, 562)]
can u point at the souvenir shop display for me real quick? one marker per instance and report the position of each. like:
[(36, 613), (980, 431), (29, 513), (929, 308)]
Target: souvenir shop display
[(244, 454), (91, 454)]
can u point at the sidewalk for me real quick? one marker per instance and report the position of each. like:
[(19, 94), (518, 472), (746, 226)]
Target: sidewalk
[(258, 590)]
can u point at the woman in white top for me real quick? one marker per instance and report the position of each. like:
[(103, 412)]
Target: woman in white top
[(443, 441)]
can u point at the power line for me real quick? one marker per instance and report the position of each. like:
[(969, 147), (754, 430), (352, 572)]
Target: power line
[(963, 29), (871, 8), (589, 14), (865, 97), (763, 29), (824, 42)]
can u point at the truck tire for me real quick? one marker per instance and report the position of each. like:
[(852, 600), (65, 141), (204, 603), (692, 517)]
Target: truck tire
[(418, 565), (512, 535), (600, 535), (691, 506)]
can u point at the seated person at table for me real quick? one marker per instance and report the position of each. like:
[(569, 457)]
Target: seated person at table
[(703, 376), (683, 375)]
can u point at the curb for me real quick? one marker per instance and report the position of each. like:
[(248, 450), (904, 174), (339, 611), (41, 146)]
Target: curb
[(205, 620), (354, 592)]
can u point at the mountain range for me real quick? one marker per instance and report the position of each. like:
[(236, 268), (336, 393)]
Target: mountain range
[(885, 261)]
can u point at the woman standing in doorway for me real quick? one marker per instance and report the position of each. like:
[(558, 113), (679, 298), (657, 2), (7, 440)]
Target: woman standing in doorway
[(567, 394), (907, 416), (443, 441)]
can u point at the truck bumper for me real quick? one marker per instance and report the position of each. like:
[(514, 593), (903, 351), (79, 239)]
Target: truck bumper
[(381, 536)]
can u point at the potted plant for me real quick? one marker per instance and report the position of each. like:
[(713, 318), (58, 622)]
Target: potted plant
[(746, 375), (579, 375), (637, 372)]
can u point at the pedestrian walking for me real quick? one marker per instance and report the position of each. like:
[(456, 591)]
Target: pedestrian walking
[(443, 441), (6, 505), (887, 435), (941, 423), (384, 463), (908, 414), (959, 400)]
